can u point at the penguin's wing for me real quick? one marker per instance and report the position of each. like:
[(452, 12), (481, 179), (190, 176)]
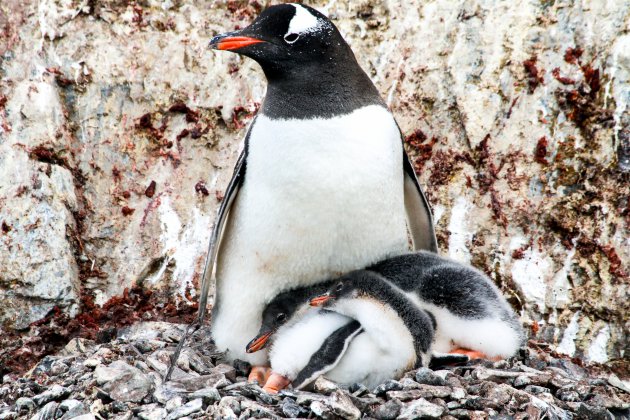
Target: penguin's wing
[(328, 355), (221, 221), (419, 216)]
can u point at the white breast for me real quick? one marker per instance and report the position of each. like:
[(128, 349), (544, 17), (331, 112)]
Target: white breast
[(385, 349), (320, 198), (294, 345)]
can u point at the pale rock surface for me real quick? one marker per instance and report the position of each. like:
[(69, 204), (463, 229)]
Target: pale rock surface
[(522, 147)]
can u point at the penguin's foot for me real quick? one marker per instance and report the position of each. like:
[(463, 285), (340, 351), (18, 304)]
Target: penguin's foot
[(275, 383), (474, 354), (259, 374)]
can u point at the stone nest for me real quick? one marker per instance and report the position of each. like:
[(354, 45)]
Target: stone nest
[(122, 379)]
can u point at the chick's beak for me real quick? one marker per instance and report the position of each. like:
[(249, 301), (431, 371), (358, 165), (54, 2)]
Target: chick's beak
[(258, 343), (320, 300), (232, 41)]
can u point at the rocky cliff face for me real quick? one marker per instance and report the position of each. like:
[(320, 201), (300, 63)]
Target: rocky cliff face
[(119, 129)]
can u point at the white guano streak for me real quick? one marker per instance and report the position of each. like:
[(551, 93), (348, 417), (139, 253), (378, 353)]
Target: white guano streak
[(459, 231), (185, 246)]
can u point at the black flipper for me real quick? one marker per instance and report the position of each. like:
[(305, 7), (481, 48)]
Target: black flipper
[(419, 216), (328, 355), (219, 226)]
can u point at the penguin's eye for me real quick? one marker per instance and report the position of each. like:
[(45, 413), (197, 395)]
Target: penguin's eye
[(291, 38), (339, 287), (281, 317)]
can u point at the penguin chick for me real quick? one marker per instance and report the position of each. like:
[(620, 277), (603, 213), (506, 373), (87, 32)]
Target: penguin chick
[(469, 310), (286, 308), (294, 344), (395, 324)]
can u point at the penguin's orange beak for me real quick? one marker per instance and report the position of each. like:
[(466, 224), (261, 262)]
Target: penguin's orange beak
[(231, 43), (320, 300), (258, 343)]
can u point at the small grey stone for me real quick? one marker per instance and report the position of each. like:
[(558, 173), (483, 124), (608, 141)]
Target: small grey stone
[(72, 408), (183, 362), (186, 409), (559, 381), (460, 413), (321, 410), (56, 392), (201, 364), (69, 404), (207, 395), (147, 346), (213, 380), (616, 382), (535, 389), (232, 404), (458, 393), (152, 412), (47, 412), (570, 368), (342, 406), (224, 413), (428, 377), (608, 400), (420, 409), (324, 386), (423, 391), (568, 394), (365, 402), (451, 405), (90, 416), (388, 411), (92, 362), (290, 409), (358, 389), (474, 403), (251, 409), (58, 367), (123, 382), (305, 399), (589, 412), (174, 403), (521, 381), (228, 371), (386, 386), (166, 391), (25, 404)]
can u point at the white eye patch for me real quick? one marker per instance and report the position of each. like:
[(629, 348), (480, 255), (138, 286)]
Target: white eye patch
[(302, 23)]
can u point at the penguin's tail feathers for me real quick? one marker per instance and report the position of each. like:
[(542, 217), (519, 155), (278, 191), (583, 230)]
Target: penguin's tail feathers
[(439, 360)]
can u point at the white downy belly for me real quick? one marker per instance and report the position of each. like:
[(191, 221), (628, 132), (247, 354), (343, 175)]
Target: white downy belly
[(320, 198)]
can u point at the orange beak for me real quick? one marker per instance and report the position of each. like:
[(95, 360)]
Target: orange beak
[(231, 43), (258, 343), (320, 300)]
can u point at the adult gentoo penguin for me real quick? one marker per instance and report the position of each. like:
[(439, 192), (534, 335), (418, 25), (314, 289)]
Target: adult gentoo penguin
[(323, 185)]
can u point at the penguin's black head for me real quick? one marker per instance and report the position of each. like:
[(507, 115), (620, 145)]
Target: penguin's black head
[(275, 315), (344, 287), (287, 38)]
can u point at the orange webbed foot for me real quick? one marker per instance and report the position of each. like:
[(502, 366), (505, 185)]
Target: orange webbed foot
[(474, 354), (259, 374), (276, 383)]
